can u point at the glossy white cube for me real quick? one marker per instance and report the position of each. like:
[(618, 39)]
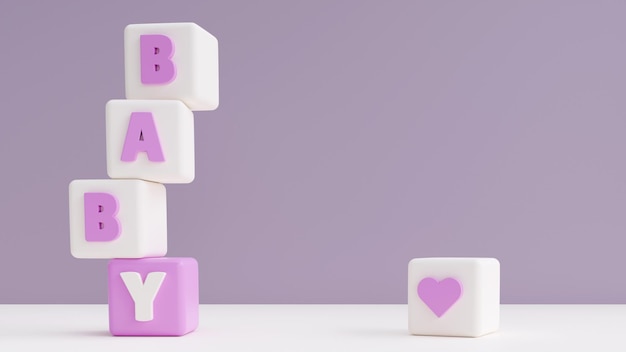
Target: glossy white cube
[(457, 296), (174, 125), (195, 58), (141, 213)]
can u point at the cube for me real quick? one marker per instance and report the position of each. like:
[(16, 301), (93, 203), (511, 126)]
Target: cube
[(117, 219), (151, 140), (172, 61), (454, 296), (153, 296)]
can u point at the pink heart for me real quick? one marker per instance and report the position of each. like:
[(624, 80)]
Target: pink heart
[(439, 296)]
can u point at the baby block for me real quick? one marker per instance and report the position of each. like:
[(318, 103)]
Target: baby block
[(172, 61), (454, 296), (152, 140), (153, 296), (117, 219)]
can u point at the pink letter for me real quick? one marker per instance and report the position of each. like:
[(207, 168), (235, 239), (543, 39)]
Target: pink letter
[(156, 51), (101, 225), (142, 136)]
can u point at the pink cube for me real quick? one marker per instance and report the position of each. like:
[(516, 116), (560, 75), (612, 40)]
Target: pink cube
[(153, 296)]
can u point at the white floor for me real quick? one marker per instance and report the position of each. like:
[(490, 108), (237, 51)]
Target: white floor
[(292, 328)]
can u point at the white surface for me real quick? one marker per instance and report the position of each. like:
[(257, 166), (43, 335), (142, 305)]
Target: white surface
[(142, 216), (195, 58), (294, 328), (475, 313), (174, 126)]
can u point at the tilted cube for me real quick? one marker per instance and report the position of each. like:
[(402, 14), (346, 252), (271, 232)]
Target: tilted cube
[(454, 296), (117, 219), (151, 140), (172, 61), (153, 296)]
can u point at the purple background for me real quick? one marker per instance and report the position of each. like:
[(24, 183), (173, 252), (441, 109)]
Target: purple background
[(351, 137)]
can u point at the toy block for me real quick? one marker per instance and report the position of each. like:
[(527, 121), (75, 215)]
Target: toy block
[(172, 61), (454, 296), (151, 140), (117, 219), (153, 296)]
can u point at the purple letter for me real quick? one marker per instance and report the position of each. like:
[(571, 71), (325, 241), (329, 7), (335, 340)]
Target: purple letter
[(101, 225), (156, 51), (142, 136)]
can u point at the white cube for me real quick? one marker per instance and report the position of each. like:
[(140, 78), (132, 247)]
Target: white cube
[(117, 219), (172, 61), (152, 140), (454, 296)]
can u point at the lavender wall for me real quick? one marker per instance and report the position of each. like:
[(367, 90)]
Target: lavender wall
[(352, 136)]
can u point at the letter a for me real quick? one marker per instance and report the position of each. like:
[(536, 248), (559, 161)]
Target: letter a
[(143, 293), (142, 136), (101, 225), (156, 53)]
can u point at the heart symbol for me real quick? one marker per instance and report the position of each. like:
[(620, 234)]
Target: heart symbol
[(439, 296)]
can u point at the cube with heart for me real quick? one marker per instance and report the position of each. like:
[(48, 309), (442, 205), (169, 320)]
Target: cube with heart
[(454, 296)]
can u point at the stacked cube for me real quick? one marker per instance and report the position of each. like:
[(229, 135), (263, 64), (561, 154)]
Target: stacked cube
[(454, 296), (171, 69)]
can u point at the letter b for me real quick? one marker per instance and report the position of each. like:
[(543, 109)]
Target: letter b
[(101, 225), (156, 53)]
